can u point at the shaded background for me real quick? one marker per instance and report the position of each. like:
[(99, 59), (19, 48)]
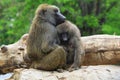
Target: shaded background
[(91, 16)]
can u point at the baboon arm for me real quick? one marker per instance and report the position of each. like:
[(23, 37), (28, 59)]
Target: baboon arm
[(46, 47), (79, 51), (49, 39), (76, 58), (57, 40)]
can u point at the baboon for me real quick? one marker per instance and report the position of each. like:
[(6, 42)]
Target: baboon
[(70, 39), (42, 47)]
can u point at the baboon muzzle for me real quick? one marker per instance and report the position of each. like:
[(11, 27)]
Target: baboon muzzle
[(60, 18)]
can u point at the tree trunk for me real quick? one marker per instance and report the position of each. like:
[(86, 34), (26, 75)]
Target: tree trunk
[(101, 49)]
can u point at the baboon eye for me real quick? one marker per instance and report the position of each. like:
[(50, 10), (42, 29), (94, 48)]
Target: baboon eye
[(42, 12), (55, 10)]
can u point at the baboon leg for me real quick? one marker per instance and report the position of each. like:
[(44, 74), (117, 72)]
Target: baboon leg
[(76, 65), (52, 61)]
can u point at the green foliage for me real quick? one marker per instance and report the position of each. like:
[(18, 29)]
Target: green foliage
[(112, 25), (90, 16), (91, 21)]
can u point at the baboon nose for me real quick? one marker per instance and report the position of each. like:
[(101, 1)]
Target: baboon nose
[(64, 18), (60, 18)]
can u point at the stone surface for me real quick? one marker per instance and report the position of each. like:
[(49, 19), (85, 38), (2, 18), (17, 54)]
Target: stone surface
[(101, 72)]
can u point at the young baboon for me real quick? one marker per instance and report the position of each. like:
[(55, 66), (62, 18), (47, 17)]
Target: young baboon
[(42, 47), (70, 39)]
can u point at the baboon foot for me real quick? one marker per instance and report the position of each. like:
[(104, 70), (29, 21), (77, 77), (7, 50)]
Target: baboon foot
[(34, 65), (60, 70), (73, 67)]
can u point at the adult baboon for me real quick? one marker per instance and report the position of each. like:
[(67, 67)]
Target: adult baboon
[(70, 39), (42, 48)]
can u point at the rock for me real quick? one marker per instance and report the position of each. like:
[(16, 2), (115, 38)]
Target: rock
[(11, 56), (5, 76), (100, 72)]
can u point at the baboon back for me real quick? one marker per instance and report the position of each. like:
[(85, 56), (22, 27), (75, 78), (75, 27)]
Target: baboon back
[(42, 39)]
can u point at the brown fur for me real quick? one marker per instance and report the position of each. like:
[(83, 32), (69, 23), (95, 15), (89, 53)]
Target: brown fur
[(42, 48), (73, 46)]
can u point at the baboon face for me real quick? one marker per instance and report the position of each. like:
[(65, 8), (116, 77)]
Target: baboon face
[(64, 37), (64, 32), (50, 14)]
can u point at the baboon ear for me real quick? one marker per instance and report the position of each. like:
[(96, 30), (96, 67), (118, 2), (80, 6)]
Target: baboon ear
[(42, 13), (4, 48)]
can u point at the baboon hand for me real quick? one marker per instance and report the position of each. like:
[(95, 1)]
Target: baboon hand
[(49, 48), (73, 67)]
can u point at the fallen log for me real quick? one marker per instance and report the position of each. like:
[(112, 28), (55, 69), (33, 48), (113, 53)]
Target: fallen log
[(103, 72), (11, 56), (99, 50)]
